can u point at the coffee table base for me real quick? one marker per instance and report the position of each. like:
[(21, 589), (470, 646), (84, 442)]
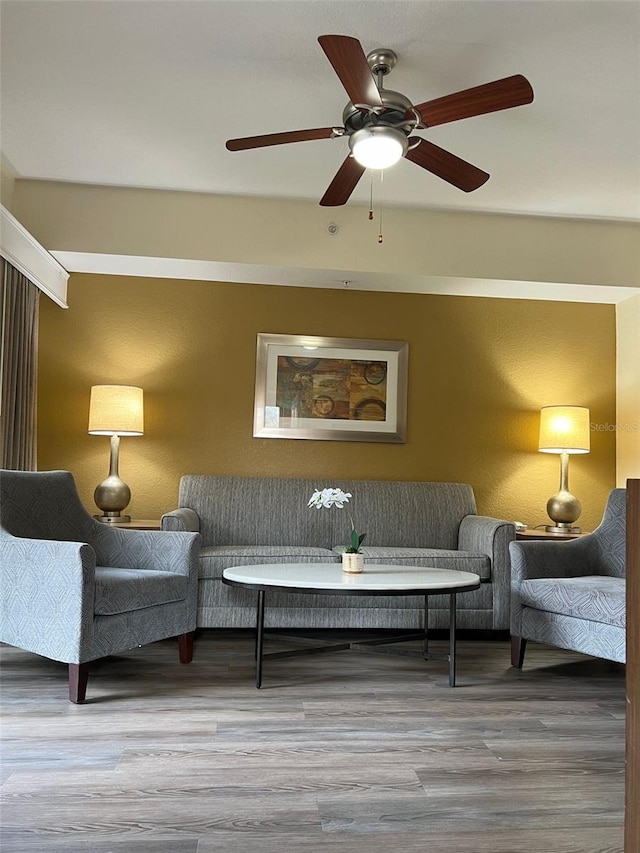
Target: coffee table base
[(375, 645)]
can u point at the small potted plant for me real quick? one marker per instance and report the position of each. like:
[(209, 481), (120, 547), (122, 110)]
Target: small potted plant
[(352, 557)]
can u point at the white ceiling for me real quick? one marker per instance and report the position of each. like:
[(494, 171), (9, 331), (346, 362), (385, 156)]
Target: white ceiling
[(144, 93)]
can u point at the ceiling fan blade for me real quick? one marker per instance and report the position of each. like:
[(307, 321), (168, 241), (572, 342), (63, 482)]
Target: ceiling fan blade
[(280, 138), (343, 184), (447, 166), (488, 98), (350, 64)]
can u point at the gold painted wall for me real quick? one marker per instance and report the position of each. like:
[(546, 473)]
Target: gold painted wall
[(627, 426), (479, 371)]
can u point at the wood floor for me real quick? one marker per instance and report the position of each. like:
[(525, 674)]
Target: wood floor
[(342, 753)]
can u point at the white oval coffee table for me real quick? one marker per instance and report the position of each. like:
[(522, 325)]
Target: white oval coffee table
[(329, 579)]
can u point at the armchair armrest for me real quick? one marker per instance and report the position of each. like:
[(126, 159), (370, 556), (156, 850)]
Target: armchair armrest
[(164, 551), (491, 536), (181, 518), (47, 592), (546, 559)]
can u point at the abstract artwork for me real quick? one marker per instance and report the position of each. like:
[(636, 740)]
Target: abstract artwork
[(330, 388)]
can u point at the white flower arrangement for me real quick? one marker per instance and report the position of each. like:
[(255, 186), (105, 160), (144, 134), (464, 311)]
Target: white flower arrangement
[(336, 497)]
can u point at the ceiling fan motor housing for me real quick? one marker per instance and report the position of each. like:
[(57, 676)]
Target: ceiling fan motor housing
[(393, 113)]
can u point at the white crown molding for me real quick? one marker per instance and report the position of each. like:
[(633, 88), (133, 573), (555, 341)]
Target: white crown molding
[(199, 270), (24, 252)]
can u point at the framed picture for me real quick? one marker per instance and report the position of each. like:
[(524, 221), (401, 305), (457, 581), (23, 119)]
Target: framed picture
[(330, 388)]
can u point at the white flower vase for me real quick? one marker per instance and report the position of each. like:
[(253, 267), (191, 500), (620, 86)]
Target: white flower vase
[(353, 563)]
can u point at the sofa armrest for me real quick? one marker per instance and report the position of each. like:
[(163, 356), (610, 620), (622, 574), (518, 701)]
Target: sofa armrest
[(181, 518), (491, 536), (47, 589)]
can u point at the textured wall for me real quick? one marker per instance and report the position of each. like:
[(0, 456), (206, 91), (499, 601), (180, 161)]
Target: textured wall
[(627, 426), (479, 371), (290, 233)]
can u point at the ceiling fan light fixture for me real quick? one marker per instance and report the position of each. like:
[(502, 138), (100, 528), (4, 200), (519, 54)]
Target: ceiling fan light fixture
[(378, 147), (378, 122)]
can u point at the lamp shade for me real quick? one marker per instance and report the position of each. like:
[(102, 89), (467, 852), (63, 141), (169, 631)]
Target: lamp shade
[(564, 429), (116, 410)]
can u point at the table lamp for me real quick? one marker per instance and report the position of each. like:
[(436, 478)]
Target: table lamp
[(114, 410), (564, 430)]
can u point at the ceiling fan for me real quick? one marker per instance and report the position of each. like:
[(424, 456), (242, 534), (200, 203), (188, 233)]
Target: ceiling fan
[(379, 123)]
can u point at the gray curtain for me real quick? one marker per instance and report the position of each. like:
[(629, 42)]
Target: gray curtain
[(19, 304)]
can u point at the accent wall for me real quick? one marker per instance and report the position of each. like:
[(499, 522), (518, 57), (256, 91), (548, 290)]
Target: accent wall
[(479, 371)]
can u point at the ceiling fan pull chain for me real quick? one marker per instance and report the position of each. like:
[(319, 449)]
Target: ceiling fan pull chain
[(371, 198), (380, 237)]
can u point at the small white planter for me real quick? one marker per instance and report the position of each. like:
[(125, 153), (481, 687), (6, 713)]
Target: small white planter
[(353, 563)]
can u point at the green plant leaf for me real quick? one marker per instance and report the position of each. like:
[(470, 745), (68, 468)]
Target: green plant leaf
[(355, 541)]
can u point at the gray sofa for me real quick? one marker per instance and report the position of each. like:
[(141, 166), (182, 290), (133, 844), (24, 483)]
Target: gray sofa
[(572, 594), (245, 520)]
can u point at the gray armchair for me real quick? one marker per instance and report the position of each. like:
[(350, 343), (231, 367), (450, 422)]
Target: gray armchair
[(73, 589), (572, 594)]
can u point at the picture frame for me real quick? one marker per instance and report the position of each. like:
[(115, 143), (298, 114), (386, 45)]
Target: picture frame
[(330, 389)]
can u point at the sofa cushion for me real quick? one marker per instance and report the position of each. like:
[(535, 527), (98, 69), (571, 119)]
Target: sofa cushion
[(436, 558), (595, 598), (123, 590), (214, 560)]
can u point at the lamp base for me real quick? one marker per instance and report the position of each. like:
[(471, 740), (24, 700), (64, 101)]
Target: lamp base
[(563, 508), (113, 518), (562, 528)]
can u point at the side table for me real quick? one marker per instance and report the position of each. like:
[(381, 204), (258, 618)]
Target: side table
[(541, 533), (140, 524)]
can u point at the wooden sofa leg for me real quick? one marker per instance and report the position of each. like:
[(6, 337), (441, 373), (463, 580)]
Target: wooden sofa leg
[(518, 647), (78, 676), (185, 647)]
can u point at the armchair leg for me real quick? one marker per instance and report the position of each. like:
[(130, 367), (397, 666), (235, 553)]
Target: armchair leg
[(518, 647), (185, 647), (78, 676)]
